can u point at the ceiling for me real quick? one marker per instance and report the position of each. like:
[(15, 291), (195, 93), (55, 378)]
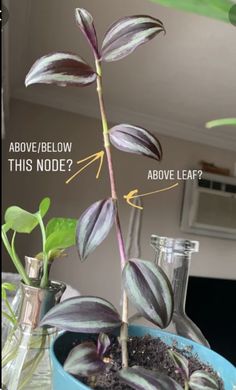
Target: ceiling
[(173, 85)]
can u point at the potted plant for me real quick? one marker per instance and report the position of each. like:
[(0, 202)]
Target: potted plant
[(99, 350), (26, 350)]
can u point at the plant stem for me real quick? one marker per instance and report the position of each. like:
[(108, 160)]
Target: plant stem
[(8, 317), (124, 327), (186, 386), (15, 259), (44, 280), (12, 314)]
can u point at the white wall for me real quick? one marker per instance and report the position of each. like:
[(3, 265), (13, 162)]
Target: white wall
[(100, 274)]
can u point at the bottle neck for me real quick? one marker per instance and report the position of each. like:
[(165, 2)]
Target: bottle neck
[(36, 302), (176, 265)]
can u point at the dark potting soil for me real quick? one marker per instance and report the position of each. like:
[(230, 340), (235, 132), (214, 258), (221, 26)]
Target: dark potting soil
[(149, 353)]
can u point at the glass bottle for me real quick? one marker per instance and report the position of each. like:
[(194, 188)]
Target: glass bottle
[(174, 257), (34, 269), (25, 356)]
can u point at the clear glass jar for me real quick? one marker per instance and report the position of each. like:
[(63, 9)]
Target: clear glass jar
[(174, 257), (25, 356), (34, 269)]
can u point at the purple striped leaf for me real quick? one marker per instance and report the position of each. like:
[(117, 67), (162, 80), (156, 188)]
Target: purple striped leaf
[(133, 139), (149, 290), (83, 360), (180, 362), (94, 226), (62, 69), (83, 314), (140, 378), (103, 344), (125, 35), (203, 380), (86, 25)]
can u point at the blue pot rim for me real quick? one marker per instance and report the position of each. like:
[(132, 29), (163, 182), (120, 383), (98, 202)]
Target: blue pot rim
[(166, 337)]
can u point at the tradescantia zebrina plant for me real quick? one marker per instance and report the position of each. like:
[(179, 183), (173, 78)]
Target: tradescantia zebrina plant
[(144, 283), (197, 380)]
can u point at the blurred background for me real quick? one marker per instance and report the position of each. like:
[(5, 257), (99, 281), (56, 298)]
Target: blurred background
[(172, 87)]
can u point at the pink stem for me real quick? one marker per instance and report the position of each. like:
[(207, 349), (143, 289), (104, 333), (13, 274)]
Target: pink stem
[(124, 327)]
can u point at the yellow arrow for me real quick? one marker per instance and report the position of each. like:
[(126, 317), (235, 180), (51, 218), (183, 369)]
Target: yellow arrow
[(92, 158), (133, 194)]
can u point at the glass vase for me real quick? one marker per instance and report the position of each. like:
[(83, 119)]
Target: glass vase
[(25, 357), (174, 257), (34, 270)]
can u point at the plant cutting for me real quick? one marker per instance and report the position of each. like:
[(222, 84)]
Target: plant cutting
[(91, 358), (26, 350), (56, 236)]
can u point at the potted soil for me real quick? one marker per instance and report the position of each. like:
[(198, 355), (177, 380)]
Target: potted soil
[(102, 347), (149, 348)]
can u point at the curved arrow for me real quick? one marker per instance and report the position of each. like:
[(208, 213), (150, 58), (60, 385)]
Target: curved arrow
[(92, 158), (133, 194)]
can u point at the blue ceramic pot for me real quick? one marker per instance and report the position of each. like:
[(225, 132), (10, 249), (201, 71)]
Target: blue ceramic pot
[(63, 344)]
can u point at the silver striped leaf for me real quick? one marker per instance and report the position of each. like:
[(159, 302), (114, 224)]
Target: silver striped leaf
[(140, 378), (125, 35), (44, 206), (133, 139), (94, 226), (202, 380), (149, 290), (62, 69), (103, 344), (83, 360), (181, 363), (85, 22), (83, 314)]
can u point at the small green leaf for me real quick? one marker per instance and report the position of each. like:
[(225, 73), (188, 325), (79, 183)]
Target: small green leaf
[(59, 240), (61, 234), (58, 224), (44, 206), (84, 360), (200, 380), (19, 220), (216, 9)]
